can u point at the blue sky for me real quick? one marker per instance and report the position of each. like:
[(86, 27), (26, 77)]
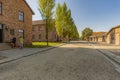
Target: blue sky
[(99, 15)]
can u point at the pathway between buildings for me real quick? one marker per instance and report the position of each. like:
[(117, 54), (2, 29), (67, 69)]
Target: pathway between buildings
[(73, 61), (14, 54)]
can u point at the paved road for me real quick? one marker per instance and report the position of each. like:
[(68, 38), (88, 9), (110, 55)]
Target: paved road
[(74, 61), (115, 49)]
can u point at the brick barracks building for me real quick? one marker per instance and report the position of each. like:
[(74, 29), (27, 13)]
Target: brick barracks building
[(39, 32), (98, 37), (15, 21), (113, 36)]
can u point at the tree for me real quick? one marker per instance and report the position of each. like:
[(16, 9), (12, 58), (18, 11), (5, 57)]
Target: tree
[(65, 26), (58, 22), (64, 20), (61, 18), (74, 32), (46, 10), (69, 24), (86, 33)]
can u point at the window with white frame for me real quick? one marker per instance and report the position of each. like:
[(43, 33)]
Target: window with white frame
[(21, 16)]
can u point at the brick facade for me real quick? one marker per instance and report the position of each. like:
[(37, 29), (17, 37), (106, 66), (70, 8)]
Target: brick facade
[(98, 37), (39, 32), (113, 36), (15, 21)]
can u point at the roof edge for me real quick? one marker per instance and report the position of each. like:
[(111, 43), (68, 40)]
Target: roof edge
[(29, 7), (112, 29)]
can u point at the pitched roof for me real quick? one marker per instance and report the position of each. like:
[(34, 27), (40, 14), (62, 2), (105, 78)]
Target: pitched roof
[(28, 6), (113, 28), (99, 33), (37, 22)]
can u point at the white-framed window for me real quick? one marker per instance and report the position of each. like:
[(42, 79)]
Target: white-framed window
[(20, 30), (21, 16)]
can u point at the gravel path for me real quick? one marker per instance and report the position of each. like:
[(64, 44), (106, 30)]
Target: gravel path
[(70, 62)]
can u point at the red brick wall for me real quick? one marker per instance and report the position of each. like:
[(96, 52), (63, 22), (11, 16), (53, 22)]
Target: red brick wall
[(52, 35), (9, 17), (37, 32)]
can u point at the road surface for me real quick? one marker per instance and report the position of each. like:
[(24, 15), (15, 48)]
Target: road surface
[(74, 61)]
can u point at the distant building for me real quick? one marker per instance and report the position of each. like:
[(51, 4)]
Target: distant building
[(15, 21), (98, 37), (39, 32), (113, 36)]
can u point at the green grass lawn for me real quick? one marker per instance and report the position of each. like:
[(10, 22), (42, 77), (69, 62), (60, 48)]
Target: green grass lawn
[(44, 44)]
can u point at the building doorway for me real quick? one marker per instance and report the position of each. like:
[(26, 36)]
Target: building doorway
[(1, 33), (112, 38)]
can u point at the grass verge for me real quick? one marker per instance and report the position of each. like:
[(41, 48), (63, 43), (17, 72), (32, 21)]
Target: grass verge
[(43, 44)]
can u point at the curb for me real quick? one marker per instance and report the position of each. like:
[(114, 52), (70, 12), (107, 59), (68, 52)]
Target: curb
[(7, 60), (108, 54)]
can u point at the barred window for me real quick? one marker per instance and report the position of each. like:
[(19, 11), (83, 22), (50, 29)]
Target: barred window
[(40, 28), (21, 16), (12, 31), (33, 36), (32, 28), (39, 36)]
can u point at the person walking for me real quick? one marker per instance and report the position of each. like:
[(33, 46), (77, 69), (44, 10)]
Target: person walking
[(13, 42), (21, 40)]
